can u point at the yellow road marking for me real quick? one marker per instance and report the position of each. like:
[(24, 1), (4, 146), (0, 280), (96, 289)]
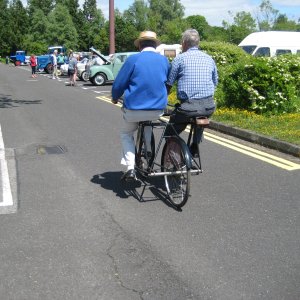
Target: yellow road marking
[(263, 156)]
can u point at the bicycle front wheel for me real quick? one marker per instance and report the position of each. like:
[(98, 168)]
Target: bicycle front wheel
[(175, 162)]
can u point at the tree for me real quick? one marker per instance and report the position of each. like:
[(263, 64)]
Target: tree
[(72, 6), (93, 22), (18, 24), (162, 11), (283, 23), (45, 5), (216, 33), (126, 33), (173, 31), (5, 29), (266, 15), (242, 26), (61, 30), (36, 41), (137, 14), (200, 24)]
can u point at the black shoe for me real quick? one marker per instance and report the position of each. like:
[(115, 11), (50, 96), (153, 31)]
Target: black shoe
[(129, 176), (194, 150)]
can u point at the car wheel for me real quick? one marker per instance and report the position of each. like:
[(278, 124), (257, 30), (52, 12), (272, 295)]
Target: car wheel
[(99, 79), (49, 69), (84, 76)]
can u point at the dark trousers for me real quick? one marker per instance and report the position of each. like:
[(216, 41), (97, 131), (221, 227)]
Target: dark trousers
[(33, 69), (191, 108)]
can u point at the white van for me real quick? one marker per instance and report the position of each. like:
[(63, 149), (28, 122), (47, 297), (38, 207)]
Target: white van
[(271, 43), (170, 51)]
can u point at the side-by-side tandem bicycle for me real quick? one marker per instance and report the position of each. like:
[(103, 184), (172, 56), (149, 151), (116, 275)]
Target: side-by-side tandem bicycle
[(176, 163)]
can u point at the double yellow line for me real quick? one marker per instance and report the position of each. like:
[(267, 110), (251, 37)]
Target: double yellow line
[(263, 156)]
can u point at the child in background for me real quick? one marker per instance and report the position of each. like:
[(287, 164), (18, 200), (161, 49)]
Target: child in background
[(33, 64)]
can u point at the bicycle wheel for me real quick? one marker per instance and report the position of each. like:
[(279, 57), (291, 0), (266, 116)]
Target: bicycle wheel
[(144, 158), (176, 161)]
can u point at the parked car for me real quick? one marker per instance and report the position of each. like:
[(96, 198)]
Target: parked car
[(81, 72), (101, 74), (64, 69)]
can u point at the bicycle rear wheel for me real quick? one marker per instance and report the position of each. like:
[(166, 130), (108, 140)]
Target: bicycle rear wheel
[(174, 160), (144, 157)]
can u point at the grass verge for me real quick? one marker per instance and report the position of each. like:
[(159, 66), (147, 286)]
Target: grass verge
[(285, 127)]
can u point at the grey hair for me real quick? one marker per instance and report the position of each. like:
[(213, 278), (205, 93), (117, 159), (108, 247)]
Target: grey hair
[(191, 38)]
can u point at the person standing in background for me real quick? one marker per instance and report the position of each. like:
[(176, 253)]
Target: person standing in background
[(54, 63), (72, 70), (33, 64), (60, 60)]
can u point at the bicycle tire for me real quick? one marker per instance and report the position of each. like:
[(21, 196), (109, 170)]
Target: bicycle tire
[(142, 161), (175, 158)]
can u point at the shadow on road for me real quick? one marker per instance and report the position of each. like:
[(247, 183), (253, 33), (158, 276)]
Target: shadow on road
[(7, 102), (142, 190)]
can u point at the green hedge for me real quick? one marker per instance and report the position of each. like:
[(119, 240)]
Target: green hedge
[(264, 85)]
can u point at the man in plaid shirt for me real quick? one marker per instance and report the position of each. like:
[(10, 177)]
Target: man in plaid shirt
[(197, 77)]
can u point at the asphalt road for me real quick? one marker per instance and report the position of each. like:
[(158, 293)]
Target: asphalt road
[(70, 230)]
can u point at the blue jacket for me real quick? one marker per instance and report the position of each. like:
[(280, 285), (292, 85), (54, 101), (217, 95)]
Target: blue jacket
[(142, 80)]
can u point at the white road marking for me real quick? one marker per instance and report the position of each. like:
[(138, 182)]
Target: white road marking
[(102, 92), (6, 189), (89, 88)]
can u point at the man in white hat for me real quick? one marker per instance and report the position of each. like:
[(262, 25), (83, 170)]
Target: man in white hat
[(142, 81)]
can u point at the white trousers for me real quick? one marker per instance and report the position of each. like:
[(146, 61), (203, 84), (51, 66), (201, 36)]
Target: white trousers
[(131, 119)]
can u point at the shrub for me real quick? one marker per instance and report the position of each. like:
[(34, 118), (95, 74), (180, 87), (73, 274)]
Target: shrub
[(225, 56), (223, 53), (264, 85)]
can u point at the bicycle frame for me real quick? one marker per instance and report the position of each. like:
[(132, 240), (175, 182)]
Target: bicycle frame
[(149, 171)]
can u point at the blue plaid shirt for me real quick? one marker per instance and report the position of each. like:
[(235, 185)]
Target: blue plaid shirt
[(196, 74)]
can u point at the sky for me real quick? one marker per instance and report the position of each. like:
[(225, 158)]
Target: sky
[(215, 11)]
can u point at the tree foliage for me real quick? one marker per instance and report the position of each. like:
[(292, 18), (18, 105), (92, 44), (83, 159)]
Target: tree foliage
[(60, 29), (200, 24), (242, 26), (137, 15), (266, 16)]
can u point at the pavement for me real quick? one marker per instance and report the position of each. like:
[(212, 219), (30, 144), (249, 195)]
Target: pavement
[(256, 138)]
